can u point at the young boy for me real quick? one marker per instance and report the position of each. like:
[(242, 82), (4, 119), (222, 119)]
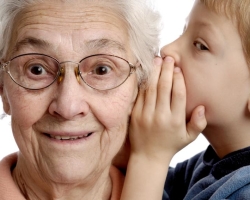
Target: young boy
[(213, 54)]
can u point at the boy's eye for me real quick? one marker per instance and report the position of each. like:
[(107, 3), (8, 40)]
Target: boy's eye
[(200, 46)]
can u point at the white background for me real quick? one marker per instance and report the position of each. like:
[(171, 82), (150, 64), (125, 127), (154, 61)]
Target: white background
[(174, 13)]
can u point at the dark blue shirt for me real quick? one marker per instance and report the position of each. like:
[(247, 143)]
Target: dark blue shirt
[(206, 176)]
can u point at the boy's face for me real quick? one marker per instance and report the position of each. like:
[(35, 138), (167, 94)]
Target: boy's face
[(216, 73)]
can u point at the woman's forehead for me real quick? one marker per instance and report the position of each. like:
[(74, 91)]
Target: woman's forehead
[(71, 14), (81, 27)]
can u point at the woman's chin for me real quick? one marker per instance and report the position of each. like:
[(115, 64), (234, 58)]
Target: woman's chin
[(70, 170)]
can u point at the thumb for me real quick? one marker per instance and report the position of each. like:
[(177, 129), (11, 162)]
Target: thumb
[(197, 122)]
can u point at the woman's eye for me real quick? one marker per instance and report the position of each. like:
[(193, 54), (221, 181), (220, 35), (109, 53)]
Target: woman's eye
[(101, 70), (200, 46), (37, 70)]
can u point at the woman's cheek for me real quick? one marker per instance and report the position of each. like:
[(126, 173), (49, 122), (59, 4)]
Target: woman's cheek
[(115, 108), (26, 109)]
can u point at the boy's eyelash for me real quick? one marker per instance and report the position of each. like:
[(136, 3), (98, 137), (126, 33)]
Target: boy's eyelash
[(202, 47)]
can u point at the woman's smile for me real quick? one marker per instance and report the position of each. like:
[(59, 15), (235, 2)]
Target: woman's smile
[(69, 137)]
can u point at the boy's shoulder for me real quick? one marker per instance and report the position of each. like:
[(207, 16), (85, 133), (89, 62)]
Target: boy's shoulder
[(235, 185), (207, 175)]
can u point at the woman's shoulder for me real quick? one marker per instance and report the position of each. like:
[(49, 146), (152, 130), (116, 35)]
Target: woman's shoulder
[(8, 188), (8, 162)]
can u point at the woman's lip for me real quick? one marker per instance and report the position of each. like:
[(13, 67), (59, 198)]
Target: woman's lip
[(69, 136)]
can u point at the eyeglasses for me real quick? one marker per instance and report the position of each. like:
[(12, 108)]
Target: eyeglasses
[(36, 71)]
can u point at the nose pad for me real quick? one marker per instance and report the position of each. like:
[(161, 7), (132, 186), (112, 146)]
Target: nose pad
[(62, 72), (77, 73)]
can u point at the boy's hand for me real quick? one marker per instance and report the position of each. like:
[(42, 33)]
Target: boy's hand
[(158, 128)]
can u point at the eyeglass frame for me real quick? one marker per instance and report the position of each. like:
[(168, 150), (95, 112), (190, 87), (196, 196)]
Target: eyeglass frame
[(4, 67)]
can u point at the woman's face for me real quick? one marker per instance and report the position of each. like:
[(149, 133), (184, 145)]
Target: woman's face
[(69, 131)]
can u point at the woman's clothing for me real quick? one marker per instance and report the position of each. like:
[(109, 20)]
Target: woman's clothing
[(205, 176), (10, 191)]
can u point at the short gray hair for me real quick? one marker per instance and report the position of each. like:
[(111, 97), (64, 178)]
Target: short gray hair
[(144, 24)]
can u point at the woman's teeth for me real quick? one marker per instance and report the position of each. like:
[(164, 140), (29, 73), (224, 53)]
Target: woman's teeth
[(57, 137)]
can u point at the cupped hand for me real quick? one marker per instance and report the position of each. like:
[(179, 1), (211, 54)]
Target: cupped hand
[(158, 128)]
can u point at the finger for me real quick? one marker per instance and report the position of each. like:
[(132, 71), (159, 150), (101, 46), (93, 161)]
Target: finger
[(151, 92), (165, 85), (178, 99), (197, 122)]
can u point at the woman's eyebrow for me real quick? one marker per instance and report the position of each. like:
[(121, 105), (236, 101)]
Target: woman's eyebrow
[(104, 43), (31, 42), (92, 45)]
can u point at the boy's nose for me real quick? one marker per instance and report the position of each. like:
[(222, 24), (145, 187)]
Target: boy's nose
[(173, 49)]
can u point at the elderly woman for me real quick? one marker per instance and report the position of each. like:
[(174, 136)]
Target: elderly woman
[(69, 77)]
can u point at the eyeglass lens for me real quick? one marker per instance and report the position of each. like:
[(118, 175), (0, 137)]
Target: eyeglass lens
[(37, 71)]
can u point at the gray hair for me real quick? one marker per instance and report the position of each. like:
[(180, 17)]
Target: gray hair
[(142, 19)]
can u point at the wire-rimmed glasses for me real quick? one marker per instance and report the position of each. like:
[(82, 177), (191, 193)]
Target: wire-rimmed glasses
[(36, 71)]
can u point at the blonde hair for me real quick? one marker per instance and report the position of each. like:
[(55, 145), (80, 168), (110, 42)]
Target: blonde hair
[(143, 22), (239, 12)]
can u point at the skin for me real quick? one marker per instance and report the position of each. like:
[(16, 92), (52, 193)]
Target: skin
[(158, 130), (74, 169), (211, 57)]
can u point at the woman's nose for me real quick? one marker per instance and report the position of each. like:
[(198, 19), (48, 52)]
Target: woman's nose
[(70, 99)]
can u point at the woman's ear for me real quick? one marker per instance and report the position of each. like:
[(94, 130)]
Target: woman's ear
[(1, 78), (1, 89), (121, 159), (248, 104), (6, 105)]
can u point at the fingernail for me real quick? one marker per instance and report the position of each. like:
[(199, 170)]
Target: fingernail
[(158, 61), (168, 59), (177, 69), (201, 112)]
